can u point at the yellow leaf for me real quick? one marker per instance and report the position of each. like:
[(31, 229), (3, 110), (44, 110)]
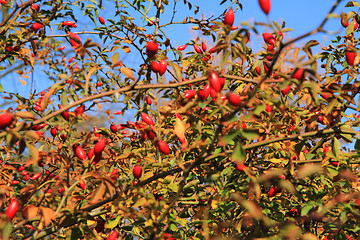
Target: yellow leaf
[(214, 204), (179, 128), (127, 72), (115, 57), (34, 154), (276, 160), (91, 72), (140, 202)]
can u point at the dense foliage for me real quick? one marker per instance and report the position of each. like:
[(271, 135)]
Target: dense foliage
[(206, 140)]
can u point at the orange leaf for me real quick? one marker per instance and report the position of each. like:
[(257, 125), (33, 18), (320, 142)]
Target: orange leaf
[(30, 212), (127, 72), (48, 215)]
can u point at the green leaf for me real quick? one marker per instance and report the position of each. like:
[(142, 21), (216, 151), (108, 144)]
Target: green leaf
[(238, 154), (6, 231), (111, 223), (224, 58), (228, 139), (173, 187), (330, 106), (250, 133), (259, 109), (336, 147), (357, 144), (306, 209), (177, 70)]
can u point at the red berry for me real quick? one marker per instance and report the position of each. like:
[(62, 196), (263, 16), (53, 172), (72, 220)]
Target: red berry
[(147, 119), (298, 74), (82, 184), (326, 149), (335, 163), (113, 235), (182, 47), (203, 46), (273, 191), (101, 20), (163, 67), (163, 147), (155, 66), (68, 23), (269, 38), (12, 209), (14, 182), (286, 90), (75, 40), (96, 130), (53, 132), (240, 166), (100, 146), (350, 57), (35, 7), (268, 108), (216, 82), (62, 48), (137, 171), (151, 48), (148, 100), (36, 26), (36, 176), (234, 99), (346, 24), (80, 153), (5, 120), (190, 94), (66, 114), (229, 17), (212, 50), (113, 128), (197, 49), (265, 5), (204, 93)]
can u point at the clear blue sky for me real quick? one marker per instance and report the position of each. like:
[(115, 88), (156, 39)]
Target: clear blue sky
[(301, 16)]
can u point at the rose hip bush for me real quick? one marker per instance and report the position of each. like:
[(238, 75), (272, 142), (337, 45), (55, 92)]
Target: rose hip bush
[(207, 139)]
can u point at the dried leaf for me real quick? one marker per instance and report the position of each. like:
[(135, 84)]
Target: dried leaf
[(179, 128), (127, 72), (25, 115), (97, 194)]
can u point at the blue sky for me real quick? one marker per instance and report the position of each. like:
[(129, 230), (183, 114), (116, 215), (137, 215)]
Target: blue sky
[(302, 16)]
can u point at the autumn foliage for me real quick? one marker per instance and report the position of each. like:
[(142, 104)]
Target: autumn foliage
[(204, 139)]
